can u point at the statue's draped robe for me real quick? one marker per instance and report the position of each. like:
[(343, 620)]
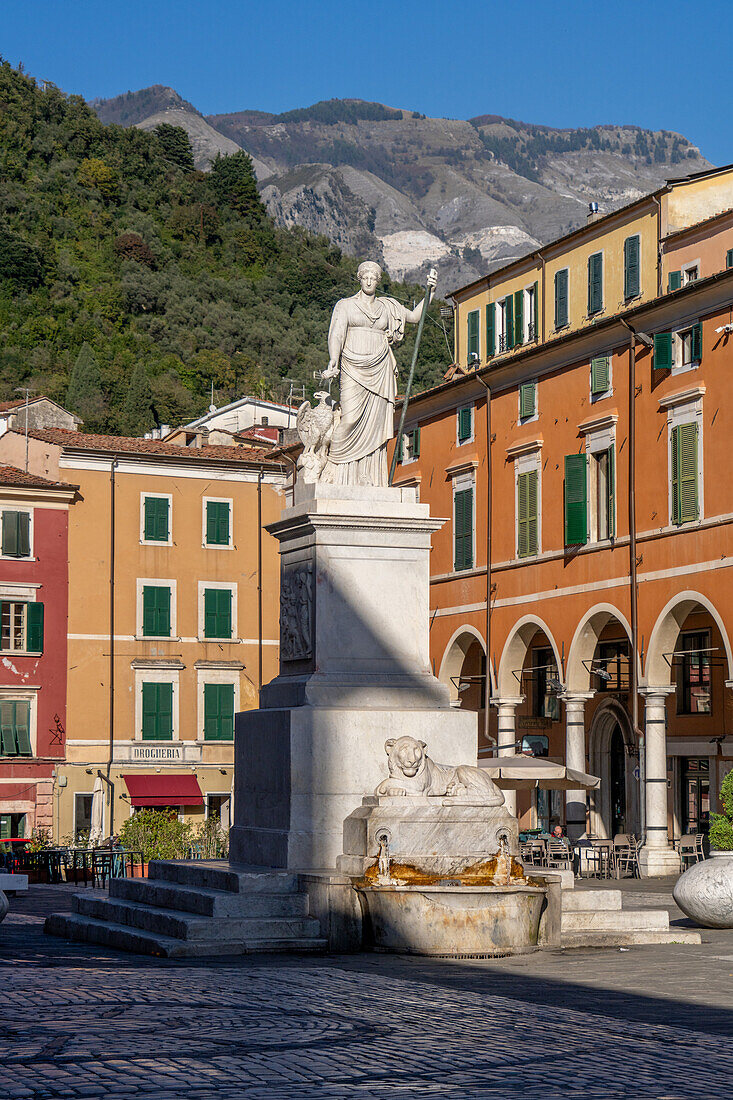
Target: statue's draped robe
[(365, 332)]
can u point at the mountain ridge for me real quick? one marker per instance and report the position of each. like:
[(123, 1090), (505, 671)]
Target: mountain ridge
[(469, 195)]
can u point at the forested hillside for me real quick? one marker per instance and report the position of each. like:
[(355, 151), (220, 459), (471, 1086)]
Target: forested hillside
[(130, 282)]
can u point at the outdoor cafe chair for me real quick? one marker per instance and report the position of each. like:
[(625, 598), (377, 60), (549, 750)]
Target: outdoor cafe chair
[(690, 848), (626, 855), (559, 854), (533, 853)]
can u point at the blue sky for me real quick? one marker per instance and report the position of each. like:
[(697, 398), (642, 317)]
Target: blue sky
[(663, 65)]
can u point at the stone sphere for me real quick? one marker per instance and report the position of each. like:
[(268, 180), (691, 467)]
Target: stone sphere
[(4, 906), (705, 892)]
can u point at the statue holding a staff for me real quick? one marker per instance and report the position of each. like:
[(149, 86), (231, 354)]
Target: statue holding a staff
[(363, 330)]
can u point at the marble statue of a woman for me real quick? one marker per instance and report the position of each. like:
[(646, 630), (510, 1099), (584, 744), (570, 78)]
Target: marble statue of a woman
[(363, 330)]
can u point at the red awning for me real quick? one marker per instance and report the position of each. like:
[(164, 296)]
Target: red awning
[(164, 790)]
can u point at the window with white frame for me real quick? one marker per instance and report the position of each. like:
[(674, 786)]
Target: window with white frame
[(21, 626), (156, 608), (528, 507), (217, 611), (409, 446), (600, 449), (17, 533), (18, 714), (156, 701), (690, 272), (530, 314), (503, 307), (156, 518), (685, 457), (464, 424), (218, 700), (217, 522), (678, 351)]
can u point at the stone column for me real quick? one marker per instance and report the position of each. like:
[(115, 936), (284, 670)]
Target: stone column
[(575, 758), (656, 858), (506, 740)]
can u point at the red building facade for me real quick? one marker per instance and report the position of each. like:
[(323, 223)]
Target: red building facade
[(34, 515)]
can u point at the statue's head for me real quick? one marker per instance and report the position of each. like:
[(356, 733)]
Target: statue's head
[(369, 273)]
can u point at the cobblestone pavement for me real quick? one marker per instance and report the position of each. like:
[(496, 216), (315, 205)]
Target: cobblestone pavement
[(81, 1021)]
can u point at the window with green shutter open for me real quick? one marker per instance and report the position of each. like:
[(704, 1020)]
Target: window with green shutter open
[(472, 342), (663, 351), (601, 495), (463, 528), (518, 318), (218, 712), (490, 330), (632, 283), (527, 400), (674, 280), (157, 707), (156, 525), (527, 513), (576, 500), (16, 534), (600, 375), (684, 473), (465, 423), (21, 626), (15, 728), (156, 611), (409, 446), (690, 340), (595, 283), (217, 612), (561, 298), (217, 523)]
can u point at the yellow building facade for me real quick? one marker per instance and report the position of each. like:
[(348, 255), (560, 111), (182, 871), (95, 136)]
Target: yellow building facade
[(172, 623), (613, 263)]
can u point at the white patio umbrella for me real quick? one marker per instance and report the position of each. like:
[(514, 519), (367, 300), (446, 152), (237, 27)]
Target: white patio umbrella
[(231, 804), (524, 773), (96, 833)]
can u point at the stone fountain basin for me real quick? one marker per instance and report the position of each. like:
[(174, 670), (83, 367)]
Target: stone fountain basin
[(452, 920)]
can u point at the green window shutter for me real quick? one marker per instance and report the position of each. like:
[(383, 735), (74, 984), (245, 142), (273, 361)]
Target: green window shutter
[(527, 399), (157, 712), (472, 345), (561, 298), (218, 712), (490, 330), (34, 627), (7, 729), (217, 613), (611, 492), (684, 473), (674, 281), (416, 442), (576, 500), (729, 258), (518, 318), (400, 447), (10, 534), (595, 283), (600, 375), (217, 523), (22, 729), (509, 313), (527, 528), (24, 534), (631, 267), (536, 319), (464, 424), (696, 343), (157, 611), (463, 529), (663, 351), (156, 519)]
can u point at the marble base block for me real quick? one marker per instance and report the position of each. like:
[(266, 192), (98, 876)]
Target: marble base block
[(439, 836)]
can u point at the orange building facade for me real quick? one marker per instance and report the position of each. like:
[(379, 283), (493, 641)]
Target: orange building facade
[(606, 499)]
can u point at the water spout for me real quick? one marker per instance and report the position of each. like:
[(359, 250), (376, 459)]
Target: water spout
[(383, 861), (507, 861)]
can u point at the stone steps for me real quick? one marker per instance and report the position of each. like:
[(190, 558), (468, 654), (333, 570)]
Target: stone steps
[(123, 938), (595, 918), (186, 926), (195, 908), (205, 902)]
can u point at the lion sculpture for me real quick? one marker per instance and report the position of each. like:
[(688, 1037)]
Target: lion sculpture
[(412, 772)]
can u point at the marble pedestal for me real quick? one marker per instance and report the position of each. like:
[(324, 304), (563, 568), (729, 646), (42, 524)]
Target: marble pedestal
[(354, 671)]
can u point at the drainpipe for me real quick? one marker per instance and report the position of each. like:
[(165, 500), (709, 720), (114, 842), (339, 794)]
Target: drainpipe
[(110, 785), (487, 625), (633, 583)]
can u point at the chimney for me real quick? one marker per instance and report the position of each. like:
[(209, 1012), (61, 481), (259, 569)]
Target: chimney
[(593, 214)]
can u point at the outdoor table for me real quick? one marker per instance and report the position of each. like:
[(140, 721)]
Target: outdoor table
[(595, 855)]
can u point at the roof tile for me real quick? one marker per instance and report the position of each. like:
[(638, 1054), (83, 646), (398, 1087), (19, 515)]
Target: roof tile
[(64, 437)]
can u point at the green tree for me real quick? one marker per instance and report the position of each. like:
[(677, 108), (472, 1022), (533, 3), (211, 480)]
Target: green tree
[(137, 415), (176, 145), (84, 394), (233, 181), (95, 174)]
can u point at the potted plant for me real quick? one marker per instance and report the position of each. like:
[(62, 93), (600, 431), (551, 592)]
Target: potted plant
[(39, 841), (705, 891), (157, 834)]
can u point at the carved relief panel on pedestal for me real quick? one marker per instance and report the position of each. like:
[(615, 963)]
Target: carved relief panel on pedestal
[(296, 612)]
